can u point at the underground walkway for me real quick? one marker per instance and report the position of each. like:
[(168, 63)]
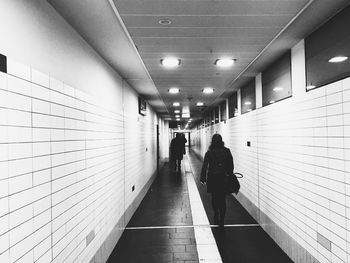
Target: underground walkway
[(171, 225)]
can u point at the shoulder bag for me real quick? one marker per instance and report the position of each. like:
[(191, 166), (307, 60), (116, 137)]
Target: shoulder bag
[(232, 184)]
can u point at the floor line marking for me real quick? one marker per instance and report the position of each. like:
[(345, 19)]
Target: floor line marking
[(187, 226), (205, 242)]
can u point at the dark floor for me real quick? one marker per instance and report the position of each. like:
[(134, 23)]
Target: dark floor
[(160, 230), (166, 205)]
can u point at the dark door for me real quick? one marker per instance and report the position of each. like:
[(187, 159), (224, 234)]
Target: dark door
[(158, 149)]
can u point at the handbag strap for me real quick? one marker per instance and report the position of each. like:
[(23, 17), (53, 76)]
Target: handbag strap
[(238, 175)]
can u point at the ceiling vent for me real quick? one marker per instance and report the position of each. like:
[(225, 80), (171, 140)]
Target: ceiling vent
[(164, 22)]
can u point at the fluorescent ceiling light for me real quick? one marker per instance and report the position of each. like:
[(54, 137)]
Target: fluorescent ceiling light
[(200, 103), (208, 90), (176, 104), (247, 103), (276, 89), (176, 111), (185, 109), (224, 62), (177, 119), (177, 116), (174, 90), (185, 115), (170, 62), (338, 59)]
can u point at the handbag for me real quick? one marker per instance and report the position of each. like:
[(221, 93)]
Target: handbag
[(232, 184)]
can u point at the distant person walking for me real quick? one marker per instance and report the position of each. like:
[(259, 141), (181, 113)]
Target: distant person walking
[(217, 163), (177, 150)]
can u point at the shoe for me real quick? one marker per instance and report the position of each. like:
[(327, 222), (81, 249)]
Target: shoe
[(221, 222), (216, 219)]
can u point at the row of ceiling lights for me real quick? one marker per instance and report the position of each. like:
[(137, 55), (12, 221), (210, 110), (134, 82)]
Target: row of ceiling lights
[(207, 90), (171, 62)]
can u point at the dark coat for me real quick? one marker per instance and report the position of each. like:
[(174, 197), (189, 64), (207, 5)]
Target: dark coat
[(215, 181), (177, 147)]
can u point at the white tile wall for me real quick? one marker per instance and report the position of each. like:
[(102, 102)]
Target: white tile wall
[(297, 169), (66, 161)]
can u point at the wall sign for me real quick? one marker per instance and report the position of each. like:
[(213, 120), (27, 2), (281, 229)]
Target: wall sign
[(3, 63), (142, 107)]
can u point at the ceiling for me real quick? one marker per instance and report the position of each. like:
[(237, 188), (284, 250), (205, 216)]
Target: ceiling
[(254, 32)]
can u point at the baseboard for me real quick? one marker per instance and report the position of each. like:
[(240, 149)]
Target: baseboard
[(111, 241), (292, 248), (135, 204)]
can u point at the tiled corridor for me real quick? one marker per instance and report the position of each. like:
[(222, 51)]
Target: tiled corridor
[(162, 229)]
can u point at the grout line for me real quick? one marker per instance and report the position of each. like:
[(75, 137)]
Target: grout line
[(205, 242), (187, 226)]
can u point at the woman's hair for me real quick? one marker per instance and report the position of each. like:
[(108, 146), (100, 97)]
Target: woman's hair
[(216, 142)]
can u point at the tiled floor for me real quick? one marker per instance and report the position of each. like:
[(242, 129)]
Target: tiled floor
[(162, 231), (166, 206)]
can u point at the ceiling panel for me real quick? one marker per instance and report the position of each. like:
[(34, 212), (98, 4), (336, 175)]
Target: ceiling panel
[(195, 7), (206, 21), (200, 32), (198, 55), (202, 41), (128, 35), (174, 32), (223, 47)]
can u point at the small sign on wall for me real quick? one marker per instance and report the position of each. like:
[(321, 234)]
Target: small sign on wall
[(142, 107), (3, 63)]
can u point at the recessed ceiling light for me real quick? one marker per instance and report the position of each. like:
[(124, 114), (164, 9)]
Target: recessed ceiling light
[(176, 111), (177, 119), (338, 59), (224, 62), (170, 62), (177, 116), (185, 115), (200, 103), (208, 90), (247, 103), (277, 89), (176, 104), (174, 90), (164, 21)]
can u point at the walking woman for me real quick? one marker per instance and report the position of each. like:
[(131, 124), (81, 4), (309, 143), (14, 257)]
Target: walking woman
[(217, 163)]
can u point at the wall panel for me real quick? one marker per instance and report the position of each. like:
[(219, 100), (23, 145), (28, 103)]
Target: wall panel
[(296, 170), (67, 142)]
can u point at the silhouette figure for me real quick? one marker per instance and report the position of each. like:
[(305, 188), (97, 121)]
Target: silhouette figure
[(217, 163), (177, 150)]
